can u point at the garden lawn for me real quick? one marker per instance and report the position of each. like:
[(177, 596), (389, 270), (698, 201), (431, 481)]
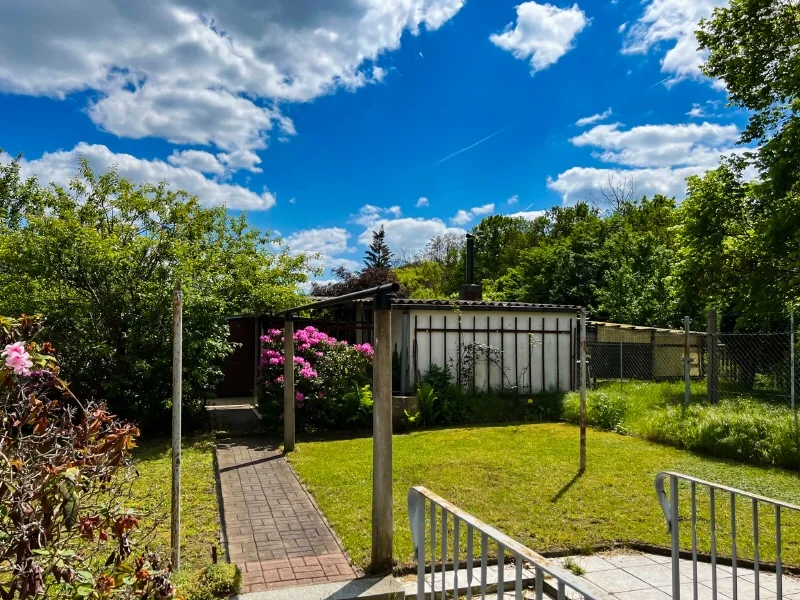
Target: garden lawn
[(200, 522), (523, 480)]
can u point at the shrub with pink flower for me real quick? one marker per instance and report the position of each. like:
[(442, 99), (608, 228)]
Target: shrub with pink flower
[(326, 371), (17, 358)]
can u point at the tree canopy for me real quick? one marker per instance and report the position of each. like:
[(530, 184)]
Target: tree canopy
[(100, 258)]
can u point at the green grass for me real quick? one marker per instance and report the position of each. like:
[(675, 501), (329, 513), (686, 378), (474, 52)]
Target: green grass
[(200, 523), (742, 428), (523, 480)]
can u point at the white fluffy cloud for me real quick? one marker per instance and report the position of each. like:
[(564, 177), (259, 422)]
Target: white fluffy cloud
[(530, 215), (672, 24), (404, 235), (423, 202), (596, 118), (199, 160), (327, 242), (58, 167), (462, 217), (512, 200), (578, 183), (660, 145), (205, 72), (697, 111), (658, 158), (543, 33)]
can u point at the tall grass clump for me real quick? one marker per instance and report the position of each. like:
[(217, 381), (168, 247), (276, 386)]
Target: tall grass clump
[(742, 429), (739, 429)]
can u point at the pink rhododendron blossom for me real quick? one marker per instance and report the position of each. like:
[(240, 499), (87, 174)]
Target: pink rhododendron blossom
[(308, 372), (17, 358), (365, 349), (299, 396), (279, 379)]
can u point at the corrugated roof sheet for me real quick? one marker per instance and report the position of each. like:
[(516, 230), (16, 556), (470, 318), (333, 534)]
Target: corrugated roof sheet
[(482, 304), (474, 304)]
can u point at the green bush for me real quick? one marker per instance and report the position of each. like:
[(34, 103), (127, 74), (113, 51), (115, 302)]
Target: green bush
[(222, 579), (215, 582), (331, 380)]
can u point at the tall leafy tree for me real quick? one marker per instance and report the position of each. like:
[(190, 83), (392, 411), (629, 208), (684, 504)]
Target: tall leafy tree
[(378, 255), (498, 241), (754, 47)]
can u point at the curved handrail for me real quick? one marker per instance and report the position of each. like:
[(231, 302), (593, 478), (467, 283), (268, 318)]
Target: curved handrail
[(416, 503)]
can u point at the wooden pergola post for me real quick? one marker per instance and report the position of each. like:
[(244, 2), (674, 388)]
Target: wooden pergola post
[(382, 515), (288, 384)]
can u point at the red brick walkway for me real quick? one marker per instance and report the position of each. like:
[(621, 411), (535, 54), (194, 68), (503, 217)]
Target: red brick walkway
[(274, 531)]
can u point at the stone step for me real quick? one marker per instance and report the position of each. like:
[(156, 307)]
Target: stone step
[(366, 588), (509, 581)]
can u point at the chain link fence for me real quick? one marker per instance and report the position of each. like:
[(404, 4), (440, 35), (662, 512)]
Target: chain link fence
[(695, 364)]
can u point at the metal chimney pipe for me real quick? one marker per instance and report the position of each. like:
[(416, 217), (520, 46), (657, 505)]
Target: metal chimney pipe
[(469, 259)]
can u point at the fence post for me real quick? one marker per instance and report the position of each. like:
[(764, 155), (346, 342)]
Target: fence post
[(653, 334), (288, 384), (712, 349), (177, 393), (620, 360), (582, 418), (687, 362), (382, 516)]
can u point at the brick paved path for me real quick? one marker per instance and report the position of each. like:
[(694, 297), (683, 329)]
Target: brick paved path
[(274, 531)]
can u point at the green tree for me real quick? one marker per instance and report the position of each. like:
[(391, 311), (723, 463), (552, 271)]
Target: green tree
[(498, 241), (378, 255), (99, 260), (437, 272), (739, 248), (753, 47), (561, 267)]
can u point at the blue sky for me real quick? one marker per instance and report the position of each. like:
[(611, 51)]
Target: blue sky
[(328, 118)]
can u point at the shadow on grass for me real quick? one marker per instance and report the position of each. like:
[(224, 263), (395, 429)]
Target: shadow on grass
[(567, 486)]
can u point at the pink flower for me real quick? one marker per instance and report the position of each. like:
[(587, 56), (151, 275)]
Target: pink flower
[(279, 379), (308, 372), (17, 358), (299, 396), (365, 349)]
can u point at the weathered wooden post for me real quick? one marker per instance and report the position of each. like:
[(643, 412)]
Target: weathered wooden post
[(382, 516), (177, 381), (288, 384), (582, 417), (712, 350)]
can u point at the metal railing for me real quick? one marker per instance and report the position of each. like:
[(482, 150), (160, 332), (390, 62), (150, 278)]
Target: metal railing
[(430, 513), (670, 507)]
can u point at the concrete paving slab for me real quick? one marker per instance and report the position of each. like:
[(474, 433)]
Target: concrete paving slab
[(368, 588), (616, 580), (645, 581)]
